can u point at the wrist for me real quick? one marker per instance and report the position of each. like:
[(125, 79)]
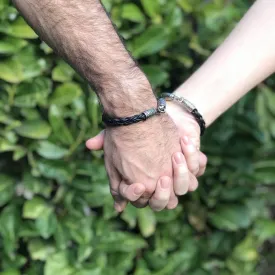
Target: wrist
[(179, 114), (126, 97), (196, 98)]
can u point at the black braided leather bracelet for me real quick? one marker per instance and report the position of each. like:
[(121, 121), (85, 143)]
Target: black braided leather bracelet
[(109, 121), (189, 107)]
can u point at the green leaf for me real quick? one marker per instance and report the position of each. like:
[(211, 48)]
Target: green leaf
[(264, 229), (59, 126), (40, 250), (154, 39), (132, 12), (9, 224), (46, 224), (178, 262), (6, 189), (58, 264), (94, 111), (246, 250), (157, 76), (185, 5), (129, 215), (50, 150), (146, 222), (167, 216), (84, 252), (62, 72), (32, 94), (82, 231), (6, 146), (19, 28), (264, 171), (112, 242), (59, 170), (11, 71), (10, 272), (34, 208), (19, 153), (231, 217), (62, 237), (94, 271), (65, 94), (22, 67), (10, 45), (3, 4), (32, 185), (35, 129), (152, 8), (269, 97)]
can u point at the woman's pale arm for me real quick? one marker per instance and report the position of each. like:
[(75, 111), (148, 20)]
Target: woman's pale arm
[(245, 59)]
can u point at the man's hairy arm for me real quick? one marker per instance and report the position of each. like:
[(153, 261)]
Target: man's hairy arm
[(137, 157), (82, 33)]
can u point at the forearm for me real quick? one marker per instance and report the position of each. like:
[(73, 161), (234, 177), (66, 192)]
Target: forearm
[(82, 33), (244, 60)]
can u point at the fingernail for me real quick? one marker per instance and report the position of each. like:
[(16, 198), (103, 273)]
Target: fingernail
[(165, 183), (179, 158), (186, 140), (138, 190)]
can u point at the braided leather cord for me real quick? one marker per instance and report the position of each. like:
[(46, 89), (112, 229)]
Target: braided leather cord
[(189, 107), (113, 122), (199, 119), (123, 121)]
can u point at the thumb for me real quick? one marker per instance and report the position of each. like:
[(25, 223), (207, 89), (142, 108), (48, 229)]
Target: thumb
[(96, 143)]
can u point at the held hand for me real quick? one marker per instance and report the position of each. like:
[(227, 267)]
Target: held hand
[(183, 179), (194, 161), (141, 154), (164, 194), (189, 132)]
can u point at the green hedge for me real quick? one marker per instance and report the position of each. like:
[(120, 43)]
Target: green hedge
[(56, 214)]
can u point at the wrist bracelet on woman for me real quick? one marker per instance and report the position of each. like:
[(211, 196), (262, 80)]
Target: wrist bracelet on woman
[(109, 121), (189, 107)]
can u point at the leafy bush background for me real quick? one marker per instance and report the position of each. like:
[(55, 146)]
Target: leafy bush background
[(56, 214)]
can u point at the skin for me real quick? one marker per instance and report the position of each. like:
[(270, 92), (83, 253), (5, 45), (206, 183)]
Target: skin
[(138, 158), (245, 58), (242, 61), (186, 166)]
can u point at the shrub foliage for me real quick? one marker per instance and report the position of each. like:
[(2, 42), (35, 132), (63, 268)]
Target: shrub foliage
[(56, 213)]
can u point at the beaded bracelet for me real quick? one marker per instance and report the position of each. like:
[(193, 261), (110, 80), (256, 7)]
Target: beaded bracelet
[(189, 107), (109, 121)]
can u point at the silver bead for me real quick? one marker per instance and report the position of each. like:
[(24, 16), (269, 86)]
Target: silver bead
[(161, 105), (150, 112)]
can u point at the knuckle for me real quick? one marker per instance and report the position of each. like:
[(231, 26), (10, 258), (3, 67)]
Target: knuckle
[(182, 172), (161, 197), (114, 193), (194, 168), (149, 191), (122, 190)]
